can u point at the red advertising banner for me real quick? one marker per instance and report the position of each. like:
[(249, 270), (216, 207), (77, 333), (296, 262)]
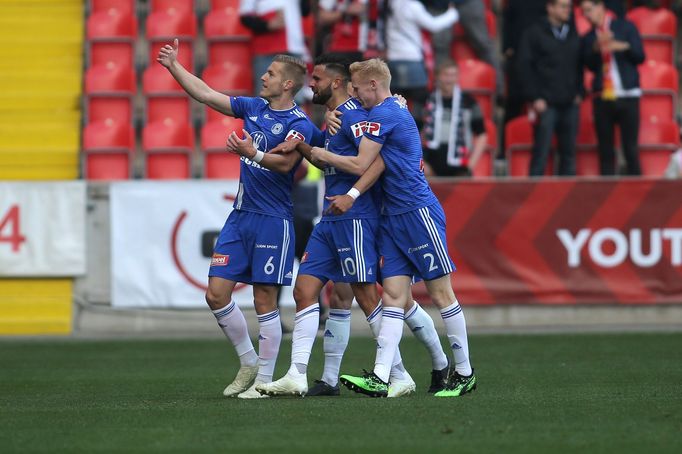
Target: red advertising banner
[(564, 242)]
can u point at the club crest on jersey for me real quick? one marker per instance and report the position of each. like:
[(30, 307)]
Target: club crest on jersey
[(220, 260), (295, 135), (372, 127), (358, 128), (277, 128), (260, 142)]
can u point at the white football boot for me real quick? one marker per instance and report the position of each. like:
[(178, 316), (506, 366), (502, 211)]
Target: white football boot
[(251, 393), (289, 385), (403, 387), (244, 379)]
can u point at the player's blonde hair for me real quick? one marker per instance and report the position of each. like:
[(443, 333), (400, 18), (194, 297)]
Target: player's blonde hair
[(294, 69), (374, 68)]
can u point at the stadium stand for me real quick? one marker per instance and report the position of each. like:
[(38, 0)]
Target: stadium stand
[(658, 28), (218, 163), (660, 85), (478, 79)]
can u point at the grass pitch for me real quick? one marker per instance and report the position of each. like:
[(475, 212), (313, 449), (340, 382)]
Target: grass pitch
[(549, 393)]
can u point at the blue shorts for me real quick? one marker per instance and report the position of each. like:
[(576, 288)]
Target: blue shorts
[(342, 251), (255, 249), (414, 244)]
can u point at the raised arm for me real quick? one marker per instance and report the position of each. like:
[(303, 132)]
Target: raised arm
[(195, 87), (357, 165)]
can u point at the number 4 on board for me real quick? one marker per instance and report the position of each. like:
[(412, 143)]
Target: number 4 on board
[(10, 229)]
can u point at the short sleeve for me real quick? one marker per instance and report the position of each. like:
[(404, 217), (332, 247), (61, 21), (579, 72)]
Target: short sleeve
[(300, 129), (380, 123), (354, 124), (239, 105)]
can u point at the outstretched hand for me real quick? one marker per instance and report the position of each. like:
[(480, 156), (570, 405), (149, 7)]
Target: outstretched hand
[(340, 204), (243, 147), (168, 54)]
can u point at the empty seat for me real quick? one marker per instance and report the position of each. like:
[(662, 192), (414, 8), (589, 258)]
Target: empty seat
[(657, 140), (224, 23), (658, 28), (108, 93), (519, 144), (164, 97), (586, 150), (119, 52), (168, 147), (660, 84), (478, 79), (123, 6), (185, 53), (221, 165), (107, 150), (171, 23), (111, 24), (178, 5), (214, 133), (230, 52), (229, 78)]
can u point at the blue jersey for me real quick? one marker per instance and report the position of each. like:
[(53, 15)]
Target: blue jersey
[(403, 182), (345, 143), (261, 190)]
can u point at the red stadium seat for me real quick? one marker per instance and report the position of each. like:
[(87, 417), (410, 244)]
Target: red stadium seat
[(657, 140), (660, 84), (172, 23), (178, 5), (214, 134), (484, 167), (164, 97), (519, 138), (107, 150), (123, 6), (119, 52), (168, 148), (218, 163), (109, 90), (224, 23), (232, 52), (461, 50), (229, 78), (219, 4), (111, 24), (658, 28), (587, 153), (478, 79)]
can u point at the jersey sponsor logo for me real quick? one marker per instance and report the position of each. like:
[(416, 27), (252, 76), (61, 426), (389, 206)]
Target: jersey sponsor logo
[(267, 116), (373, 128), (358, 128), (295, 135), (260, 142), (220, 260), (254, 118), (277, 128), (329, 171), (266, 246), (417, 248)]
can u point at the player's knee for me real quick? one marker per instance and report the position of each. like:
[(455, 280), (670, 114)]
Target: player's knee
[(442, 297), (214, 300), (303, 297)]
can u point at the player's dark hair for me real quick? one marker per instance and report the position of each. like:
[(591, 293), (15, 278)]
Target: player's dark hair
[(335, 62)]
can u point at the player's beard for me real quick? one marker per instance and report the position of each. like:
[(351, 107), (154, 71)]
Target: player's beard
[(322, 96)]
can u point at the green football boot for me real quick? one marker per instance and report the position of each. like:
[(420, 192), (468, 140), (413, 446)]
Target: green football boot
[(458, 385), (368, 384)]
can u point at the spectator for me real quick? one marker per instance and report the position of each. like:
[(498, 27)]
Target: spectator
[(454, 128), (472, 19), (277, 29), (612, 50), (518, 16), (357, 27), (551, 76), (406, 19)]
